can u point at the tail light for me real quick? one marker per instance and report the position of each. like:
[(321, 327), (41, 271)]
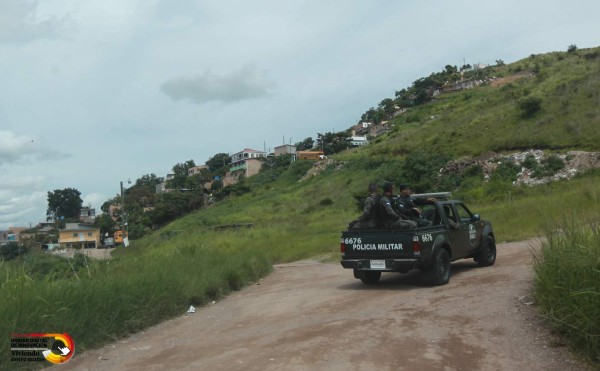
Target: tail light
[(342, 248), (416, 246)]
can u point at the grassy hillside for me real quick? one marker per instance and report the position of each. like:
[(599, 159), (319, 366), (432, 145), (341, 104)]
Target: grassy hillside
[(189, 262), (488, 118)]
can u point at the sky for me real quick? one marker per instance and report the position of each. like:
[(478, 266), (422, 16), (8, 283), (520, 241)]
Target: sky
[(97, 92)]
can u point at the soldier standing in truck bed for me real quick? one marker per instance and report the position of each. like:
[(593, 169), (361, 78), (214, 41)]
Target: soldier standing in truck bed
[(370, 217), (407, 206), (392, 219)]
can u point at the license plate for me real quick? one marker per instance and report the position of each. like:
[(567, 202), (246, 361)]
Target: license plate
[(377, 264)]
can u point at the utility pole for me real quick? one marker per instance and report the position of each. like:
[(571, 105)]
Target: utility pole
[(124, 226)]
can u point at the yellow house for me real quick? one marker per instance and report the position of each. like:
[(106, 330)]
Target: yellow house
[(79, 235)]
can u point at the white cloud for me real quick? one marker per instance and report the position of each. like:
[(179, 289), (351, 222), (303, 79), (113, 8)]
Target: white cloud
[(246, 83), (15, 148), (20, 22), (20, 204), (95, 200)]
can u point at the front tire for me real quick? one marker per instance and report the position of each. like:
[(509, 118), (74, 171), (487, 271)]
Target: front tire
[(487, 255), (439, 271), (370, 277)]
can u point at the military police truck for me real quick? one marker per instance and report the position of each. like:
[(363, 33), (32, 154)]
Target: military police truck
[(455, 233)]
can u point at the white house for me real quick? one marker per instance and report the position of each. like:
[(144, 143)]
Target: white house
[(358, 141)]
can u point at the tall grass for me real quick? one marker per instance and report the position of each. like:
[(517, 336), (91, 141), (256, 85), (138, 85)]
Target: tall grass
[(124, 295), (567, 283)]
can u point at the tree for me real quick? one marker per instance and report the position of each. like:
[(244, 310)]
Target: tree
[(218, 162), (306, 144), (195, 182), (387, 106), (181, 172), (450, 69), (172, 205), (106, 224), (11, 250), (420, 169), (64, 204), (499, 62), (333, 142), (148, 180), (572, 48)]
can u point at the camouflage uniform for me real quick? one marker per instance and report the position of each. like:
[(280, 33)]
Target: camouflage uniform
[(393, 220), (368, 219), (406, 205)]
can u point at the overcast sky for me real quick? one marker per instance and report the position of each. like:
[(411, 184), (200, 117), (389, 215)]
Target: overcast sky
[(99, 91)]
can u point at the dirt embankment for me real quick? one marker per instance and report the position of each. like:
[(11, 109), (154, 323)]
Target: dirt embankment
[(316, 316)]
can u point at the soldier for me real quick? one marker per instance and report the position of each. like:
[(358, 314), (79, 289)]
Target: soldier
[(392, 219), (370, 216), (407, 206)]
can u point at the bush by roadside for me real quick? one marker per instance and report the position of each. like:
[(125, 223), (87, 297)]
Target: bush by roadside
[(567, 284)]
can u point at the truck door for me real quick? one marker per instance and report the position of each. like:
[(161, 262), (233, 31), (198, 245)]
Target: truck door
[(474, 232), (459, 237)]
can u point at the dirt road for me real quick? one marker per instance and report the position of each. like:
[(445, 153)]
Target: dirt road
[(316, 316)]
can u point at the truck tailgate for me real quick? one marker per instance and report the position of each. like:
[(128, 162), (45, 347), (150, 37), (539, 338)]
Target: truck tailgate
[(377, 246)]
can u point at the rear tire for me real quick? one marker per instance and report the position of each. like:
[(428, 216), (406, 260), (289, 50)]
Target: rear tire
[(487, 255), (438, 273), (370, 277)]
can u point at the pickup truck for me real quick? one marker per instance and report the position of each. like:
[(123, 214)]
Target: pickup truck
[(455, 233)]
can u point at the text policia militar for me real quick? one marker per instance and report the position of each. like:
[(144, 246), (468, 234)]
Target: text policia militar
[(378, 246)]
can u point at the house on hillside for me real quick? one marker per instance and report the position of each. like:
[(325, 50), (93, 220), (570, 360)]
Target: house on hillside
[(196, 170), (286, 149), (162, 186), (358, 140), (402, 110), (4, 238), (12, 234), (461, 85), (44, 227), (245, 163), (114, 211), (79, 235), (377, 130), (361, 128), (87, 215)]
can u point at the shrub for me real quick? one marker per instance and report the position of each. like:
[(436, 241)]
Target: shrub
[(529, 106), (11, 250), (572, 48), (530, 162), (326, 202), (549, 166), (420, 169), (506, 171)]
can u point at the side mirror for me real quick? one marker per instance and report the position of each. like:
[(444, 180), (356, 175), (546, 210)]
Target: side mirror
[(475, 217)]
